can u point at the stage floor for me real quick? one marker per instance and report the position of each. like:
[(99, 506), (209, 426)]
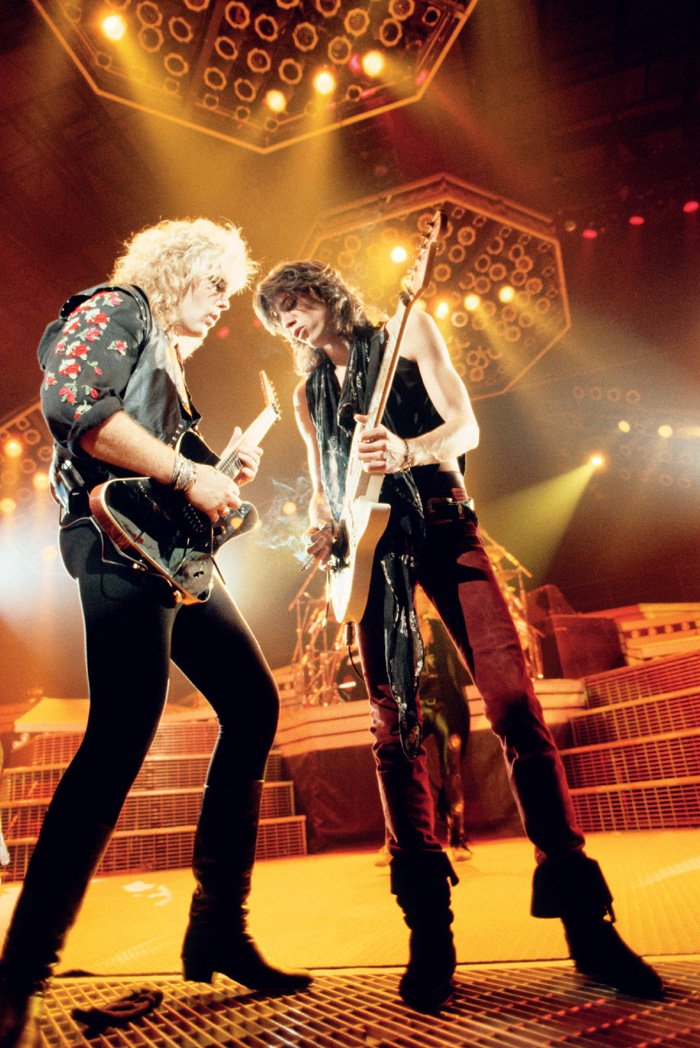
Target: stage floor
[(333, 913), (335, 910)]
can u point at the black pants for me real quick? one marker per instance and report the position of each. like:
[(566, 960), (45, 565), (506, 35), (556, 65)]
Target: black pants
[(132, 630)]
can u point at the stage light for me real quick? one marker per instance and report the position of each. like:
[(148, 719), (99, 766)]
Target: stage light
[(324, 83), (472, 302), (114, 27), (589, 234), (13, 448), (442, 310), (289, 509), (506, 293), (665, 432), (596, 461), (690, 206), (40, 481), (275, 101), (373, 63), (624, 426), (223, 332), (636, 220), (570, 225), (48, 554), (7, 505), (399, 254)]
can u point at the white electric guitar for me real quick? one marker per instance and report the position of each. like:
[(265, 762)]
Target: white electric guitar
[(364, 518)]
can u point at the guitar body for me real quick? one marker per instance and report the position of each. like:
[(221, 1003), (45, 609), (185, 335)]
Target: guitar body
[(163, 530), (364, 525)]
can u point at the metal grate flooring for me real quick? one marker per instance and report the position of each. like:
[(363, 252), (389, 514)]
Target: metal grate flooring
[(494, 1007)]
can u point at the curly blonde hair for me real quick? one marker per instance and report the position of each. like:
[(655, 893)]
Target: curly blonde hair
[(351, 317), (167, 259)]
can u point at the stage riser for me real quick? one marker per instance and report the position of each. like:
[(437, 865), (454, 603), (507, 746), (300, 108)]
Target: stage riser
[(170, 849), (640, 761), (146, 811), (172, 740), (665, 676), (642, 717), (157, 773), (651, 807)]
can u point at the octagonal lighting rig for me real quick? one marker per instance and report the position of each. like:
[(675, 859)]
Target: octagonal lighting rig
[(260, 74), (497, 291)]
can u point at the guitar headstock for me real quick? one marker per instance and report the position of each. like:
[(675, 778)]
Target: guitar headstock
[(271, 400), (418, 276)]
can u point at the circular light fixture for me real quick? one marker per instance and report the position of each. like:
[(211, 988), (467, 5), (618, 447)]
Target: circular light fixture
[(114, 27), (596, 461), (373, 63), (399, 254), (665, 432), (324, 82), (13, 448), (507, 293), (472, 302), (442, 310), (275, 101)]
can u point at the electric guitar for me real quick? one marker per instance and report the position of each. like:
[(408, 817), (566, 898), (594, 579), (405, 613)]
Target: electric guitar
[(364, 518), (162, 530)]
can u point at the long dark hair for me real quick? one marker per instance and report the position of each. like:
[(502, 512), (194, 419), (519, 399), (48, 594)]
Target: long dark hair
[(351, 317)]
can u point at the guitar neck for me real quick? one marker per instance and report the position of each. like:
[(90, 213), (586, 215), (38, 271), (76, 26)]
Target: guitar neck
[(231, 464)]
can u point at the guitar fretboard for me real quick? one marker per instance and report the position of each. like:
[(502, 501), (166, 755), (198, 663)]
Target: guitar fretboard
[(231, 464)]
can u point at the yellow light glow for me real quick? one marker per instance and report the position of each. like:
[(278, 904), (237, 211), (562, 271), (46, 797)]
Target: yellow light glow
[(275, 101), (506, 293), (596, 461), (665, 432), (40, 481), (472, 302), (13, 448), (623, 426), (420, 304), (49, 553), (114, 27), (399, 254), (289, 509), (373, 63), (7, 505), (442, 310), (324, 83)]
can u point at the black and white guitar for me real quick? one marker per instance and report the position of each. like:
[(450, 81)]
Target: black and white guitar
[(162, 530), (364, 518)]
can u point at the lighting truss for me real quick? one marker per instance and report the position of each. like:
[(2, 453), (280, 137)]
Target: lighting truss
[(211, 64), (490, 244)]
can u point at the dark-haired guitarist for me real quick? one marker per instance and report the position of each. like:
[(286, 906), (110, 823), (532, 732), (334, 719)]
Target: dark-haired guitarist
[(431, 538)]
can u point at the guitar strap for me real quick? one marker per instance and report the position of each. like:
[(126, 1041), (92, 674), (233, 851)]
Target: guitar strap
[(376, 353)]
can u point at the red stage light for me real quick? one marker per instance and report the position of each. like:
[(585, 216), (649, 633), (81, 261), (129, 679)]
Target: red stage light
[(690, 206), (223, 332), (636, 220), (590, 234)]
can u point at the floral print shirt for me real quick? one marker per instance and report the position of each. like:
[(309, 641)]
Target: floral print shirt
[(88, 360)]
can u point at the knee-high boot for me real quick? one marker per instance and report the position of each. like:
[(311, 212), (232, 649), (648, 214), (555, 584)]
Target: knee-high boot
[(217, 939), (57, 878), (421, 883), (573, 888)]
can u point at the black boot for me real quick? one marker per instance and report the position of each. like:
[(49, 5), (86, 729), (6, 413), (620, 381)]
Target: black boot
[(217, 939), (574, 889), (63, 862), (421, 884)]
